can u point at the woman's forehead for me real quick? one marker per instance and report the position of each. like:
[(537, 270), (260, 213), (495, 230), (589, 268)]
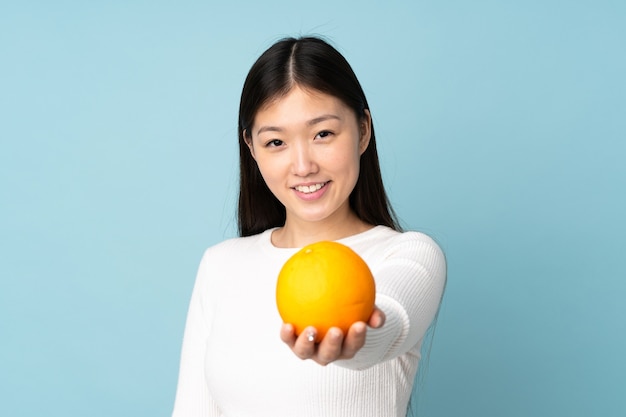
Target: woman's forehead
[(301, 106)]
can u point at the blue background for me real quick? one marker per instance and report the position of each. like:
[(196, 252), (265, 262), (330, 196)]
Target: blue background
[(501, 127)]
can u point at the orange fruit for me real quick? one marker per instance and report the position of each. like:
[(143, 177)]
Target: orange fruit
[(324, 285)]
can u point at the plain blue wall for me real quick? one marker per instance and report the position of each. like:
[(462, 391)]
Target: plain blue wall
[(501, 126)]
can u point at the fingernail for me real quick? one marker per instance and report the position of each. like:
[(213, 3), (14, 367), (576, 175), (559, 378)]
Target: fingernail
[(310, 336), (335, 333)]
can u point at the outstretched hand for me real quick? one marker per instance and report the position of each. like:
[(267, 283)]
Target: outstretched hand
[(335, 344)]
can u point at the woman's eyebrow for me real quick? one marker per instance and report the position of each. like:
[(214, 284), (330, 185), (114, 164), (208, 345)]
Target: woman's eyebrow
[(269, 129), (322, 119), (311, 122)]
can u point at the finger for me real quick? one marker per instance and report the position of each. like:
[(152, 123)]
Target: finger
[(288, 334), (304, 346), (355, 339), (329, 349), (377, 319)]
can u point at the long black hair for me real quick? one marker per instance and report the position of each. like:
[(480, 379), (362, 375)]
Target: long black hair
[(311, 63)]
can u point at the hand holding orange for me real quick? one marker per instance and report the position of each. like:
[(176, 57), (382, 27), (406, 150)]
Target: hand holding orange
[(324, 285)]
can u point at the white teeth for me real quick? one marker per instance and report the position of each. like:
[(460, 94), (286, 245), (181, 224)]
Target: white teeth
[(309, 189)]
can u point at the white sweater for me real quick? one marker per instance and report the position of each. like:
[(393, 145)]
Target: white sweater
[(233, 363)]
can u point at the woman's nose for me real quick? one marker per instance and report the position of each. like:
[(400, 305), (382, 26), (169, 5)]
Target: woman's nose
[(303, 162)]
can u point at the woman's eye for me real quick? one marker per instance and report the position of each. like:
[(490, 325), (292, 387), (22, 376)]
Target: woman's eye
[(324, 134), (274, 143)]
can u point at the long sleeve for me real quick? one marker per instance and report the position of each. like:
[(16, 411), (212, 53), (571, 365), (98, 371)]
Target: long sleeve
[(410, 280), (192, 396)]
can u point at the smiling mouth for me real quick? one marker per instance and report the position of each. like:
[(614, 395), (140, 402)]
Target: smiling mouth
[(308, 189)]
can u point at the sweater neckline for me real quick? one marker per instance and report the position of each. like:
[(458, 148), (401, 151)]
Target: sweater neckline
[(266, 239)]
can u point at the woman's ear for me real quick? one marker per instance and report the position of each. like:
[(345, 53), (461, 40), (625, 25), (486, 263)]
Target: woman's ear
[(365, 130), (248, 140)]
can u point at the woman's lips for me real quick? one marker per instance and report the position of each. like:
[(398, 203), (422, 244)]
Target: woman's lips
[(311, 191), (307, 189)]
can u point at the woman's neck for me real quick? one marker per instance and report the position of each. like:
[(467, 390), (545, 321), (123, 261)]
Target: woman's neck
[(296, 233)]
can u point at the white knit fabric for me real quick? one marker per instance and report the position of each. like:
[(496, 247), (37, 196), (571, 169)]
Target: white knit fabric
[(233, 363)]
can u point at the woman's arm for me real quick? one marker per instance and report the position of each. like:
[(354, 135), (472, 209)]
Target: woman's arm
[(410, 281), (192, 395)]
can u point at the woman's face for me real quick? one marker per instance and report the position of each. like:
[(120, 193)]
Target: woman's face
[(307, 145)]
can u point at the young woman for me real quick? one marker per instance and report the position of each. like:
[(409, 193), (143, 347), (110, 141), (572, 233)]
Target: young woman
[(309, 171)]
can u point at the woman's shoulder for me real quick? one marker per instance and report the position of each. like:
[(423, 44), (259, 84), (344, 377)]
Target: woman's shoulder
[(384, 244), (237, 244), (417, 243), (418, 240), (386, 236)]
